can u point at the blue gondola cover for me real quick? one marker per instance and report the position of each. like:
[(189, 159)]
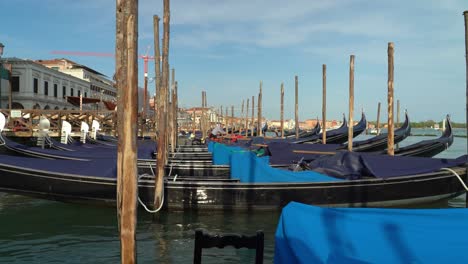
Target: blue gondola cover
[(310, 234)]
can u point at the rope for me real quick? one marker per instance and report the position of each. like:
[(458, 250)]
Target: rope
[(458, 176), (146, 208)]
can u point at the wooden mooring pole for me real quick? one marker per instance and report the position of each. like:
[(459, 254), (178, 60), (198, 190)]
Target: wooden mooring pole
[(465, 14), (390, 146), (351, 103), (253, 117), (163, 82), (296, 107), (233, 124), (241, 119), (259, 121), (398, 113), (324, 104), (247, 118), (378, 119), (127, 62), (282, 110)]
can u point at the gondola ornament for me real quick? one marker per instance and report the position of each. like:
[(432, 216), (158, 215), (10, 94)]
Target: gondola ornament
[(44, 126), (84, 132), (2, 122), (94, 129), (66, 131)]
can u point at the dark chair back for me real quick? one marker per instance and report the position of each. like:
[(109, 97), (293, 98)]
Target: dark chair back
[(203, 239)]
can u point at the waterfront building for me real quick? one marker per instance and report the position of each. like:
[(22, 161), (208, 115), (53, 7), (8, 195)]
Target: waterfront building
[(54, 84)]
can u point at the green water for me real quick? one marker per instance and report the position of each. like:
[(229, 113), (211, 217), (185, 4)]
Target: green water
[(39, 231)]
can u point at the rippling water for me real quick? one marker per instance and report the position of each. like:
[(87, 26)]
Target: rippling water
[(38, 231)]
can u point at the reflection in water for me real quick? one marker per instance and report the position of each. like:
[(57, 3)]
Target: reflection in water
[(38, 231)]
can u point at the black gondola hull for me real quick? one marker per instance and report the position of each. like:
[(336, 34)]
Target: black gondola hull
[(222, 195)]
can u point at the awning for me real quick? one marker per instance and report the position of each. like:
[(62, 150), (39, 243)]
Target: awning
[(75, 100)]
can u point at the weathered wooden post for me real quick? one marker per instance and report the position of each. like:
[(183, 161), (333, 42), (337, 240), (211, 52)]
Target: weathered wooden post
[(390, 146), (282, 110), (145, 101), (253, 117), (465, 14), (398, 113), (351, 103), (259, 113), (247, 118), (324, 104), (233, 123), (378, 119), (222, 118), (296, 109), (240, 119), (202, 117), (164, 87), (127, 73), (176, 114)]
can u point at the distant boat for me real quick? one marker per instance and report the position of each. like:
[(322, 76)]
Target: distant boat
[(436, 126)]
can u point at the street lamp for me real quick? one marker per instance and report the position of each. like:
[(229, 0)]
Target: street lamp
[(1, 71)]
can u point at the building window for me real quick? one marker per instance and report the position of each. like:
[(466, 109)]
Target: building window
[(55, 90), (71, 92), (46, 88), (85, 94), (64, 91), (36, 85), (15, 83), (79, 93)]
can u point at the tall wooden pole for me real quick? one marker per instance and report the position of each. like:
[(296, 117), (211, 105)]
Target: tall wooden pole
[(296, 109), (202, 117), (465, 14), (247, 118), (164, 87), (324, 104), (122, 10), (398, 113), (351, 103), (127, 58), (259, 121), (222, 118), (253, 116), (145, 106), (282, 110), (241, 117), (227, 119), (378, 119), (232, 119), (174, 112), (390, 146)]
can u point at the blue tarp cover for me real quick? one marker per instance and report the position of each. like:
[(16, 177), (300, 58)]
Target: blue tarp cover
[(353, 165), (222, 153), (84, 151), (309, 234), (96, 168), (247, 167), (283, 152)]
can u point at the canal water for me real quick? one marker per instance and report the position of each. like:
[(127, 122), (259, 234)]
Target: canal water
[(39, 231)]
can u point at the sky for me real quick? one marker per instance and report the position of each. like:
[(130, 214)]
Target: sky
[(226, 47)]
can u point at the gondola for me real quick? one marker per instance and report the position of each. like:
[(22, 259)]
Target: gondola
[(306, 134), (430, 147), (334, 136), (95, 182), (379, 142), (283, 154)]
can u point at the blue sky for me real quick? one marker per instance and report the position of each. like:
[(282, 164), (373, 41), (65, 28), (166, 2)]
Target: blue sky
[(226, 47)]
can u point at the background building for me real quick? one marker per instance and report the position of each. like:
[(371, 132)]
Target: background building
[(54, 84)]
